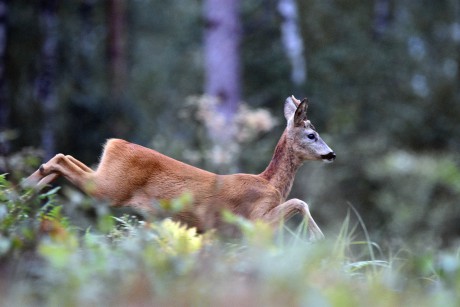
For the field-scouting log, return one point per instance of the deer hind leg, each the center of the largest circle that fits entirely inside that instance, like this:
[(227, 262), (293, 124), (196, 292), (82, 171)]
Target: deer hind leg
[(69, 167), (80, 164), (289, 208)]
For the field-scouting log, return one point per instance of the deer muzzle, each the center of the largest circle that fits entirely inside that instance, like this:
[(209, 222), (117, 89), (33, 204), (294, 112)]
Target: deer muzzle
[(328, 157)]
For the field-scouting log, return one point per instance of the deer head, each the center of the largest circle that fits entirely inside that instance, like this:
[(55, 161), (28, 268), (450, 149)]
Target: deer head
[(302, 137)]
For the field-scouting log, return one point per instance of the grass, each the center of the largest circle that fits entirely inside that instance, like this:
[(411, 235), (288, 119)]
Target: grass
[(50, 259)]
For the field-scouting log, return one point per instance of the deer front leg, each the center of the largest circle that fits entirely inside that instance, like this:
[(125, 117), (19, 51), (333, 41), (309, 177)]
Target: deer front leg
[(287, 209)]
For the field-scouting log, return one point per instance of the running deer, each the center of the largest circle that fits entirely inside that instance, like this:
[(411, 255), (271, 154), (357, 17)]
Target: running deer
[(134, 176)]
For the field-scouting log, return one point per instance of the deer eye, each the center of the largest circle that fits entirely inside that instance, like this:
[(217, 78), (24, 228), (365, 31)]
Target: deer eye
[(311, 136)]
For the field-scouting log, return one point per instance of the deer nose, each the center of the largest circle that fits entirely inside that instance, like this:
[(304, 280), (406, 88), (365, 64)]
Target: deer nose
[(329, 157)]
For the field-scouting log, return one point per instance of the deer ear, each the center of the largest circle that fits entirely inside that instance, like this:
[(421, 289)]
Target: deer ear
[(290, 106), (301, 113)]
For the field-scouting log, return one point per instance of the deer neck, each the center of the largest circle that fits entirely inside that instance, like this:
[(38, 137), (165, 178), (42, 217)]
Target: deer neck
[(282, 168)]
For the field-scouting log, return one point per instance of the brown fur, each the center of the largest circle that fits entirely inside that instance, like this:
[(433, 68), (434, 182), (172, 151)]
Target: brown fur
[(135, 176)]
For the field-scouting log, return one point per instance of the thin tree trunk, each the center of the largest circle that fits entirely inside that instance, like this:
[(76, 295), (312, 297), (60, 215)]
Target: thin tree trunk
[(86, 44), (222, 53), (117, 47), (4, 104), (292, 40), (4, 107), (222, 37), (381, 17), (45, 84)]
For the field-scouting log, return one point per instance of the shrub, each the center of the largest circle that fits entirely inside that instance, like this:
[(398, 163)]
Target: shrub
[(48, 260)]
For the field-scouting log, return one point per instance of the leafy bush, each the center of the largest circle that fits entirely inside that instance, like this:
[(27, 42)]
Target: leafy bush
[(45, 259)]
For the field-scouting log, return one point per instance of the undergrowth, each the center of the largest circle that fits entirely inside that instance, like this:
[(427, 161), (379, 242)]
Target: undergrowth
[(48, 260)]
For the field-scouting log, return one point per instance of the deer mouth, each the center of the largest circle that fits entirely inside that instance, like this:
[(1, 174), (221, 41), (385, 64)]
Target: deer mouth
[(329, 157)]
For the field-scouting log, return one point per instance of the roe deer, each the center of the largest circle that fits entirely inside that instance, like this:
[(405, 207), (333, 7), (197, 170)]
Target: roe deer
[(135, 176)]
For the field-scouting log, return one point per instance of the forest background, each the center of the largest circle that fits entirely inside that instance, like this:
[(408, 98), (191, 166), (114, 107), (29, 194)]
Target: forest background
[(382, 77)]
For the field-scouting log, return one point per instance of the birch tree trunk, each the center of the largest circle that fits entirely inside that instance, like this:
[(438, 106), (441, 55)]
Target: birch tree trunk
[(222, 54), (292, 40), (222, 37), (45, 82)]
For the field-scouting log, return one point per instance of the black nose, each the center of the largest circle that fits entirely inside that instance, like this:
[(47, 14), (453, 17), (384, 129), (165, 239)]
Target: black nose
[(330, 156)]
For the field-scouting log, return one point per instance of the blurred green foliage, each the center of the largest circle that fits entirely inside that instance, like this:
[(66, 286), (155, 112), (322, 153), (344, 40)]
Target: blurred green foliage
[(388, 104), (139, 263)]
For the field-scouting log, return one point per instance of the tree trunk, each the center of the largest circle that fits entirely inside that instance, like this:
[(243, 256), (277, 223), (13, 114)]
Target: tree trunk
[(222, 54), (117, 48), (292, 40), (222, 37), (45, 83), (86, 44), (381, 17), (4, 104)]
